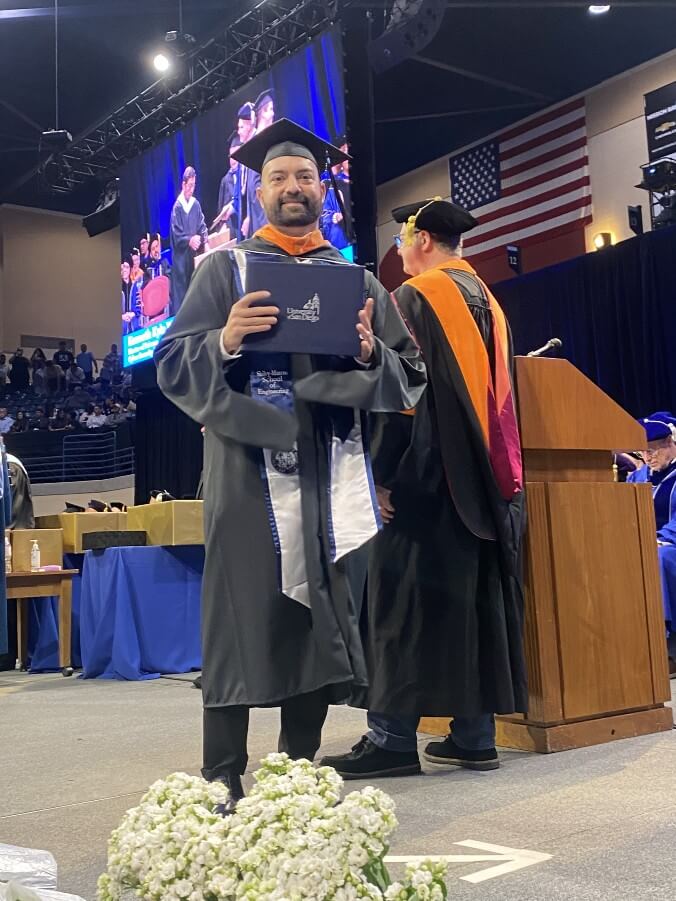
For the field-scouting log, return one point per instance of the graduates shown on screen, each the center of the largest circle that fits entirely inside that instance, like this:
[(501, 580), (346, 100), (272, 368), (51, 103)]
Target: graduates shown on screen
[(335, 223), (131, 299), (188, 236)]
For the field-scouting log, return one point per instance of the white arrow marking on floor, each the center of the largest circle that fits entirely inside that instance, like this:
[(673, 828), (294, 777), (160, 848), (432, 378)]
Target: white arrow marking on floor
[(508, 860)]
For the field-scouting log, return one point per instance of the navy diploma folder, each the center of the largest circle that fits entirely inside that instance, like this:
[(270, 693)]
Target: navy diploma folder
[(318, 305)]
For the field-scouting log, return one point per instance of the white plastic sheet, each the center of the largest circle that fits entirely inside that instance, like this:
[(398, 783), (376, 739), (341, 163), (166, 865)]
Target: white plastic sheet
[(15, 891), (27, 866)]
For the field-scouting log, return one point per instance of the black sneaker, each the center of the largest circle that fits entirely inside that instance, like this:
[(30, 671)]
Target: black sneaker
[(368, 761), (233, 783), (448, 753)]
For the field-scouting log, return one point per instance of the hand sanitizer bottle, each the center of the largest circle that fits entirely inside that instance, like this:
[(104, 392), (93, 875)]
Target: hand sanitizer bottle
[(35, 556)]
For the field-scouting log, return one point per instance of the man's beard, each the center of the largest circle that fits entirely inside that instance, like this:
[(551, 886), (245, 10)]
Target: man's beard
[(306, 210)]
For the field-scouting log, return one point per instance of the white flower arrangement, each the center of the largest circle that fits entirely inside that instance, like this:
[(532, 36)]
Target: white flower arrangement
[(291, 839)]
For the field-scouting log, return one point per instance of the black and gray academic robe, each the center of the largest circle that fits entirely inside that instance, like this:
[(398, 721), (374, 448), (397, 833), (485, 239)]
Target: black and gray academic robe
[(227, 193), (259, 646), (445, 605), (187, 219)]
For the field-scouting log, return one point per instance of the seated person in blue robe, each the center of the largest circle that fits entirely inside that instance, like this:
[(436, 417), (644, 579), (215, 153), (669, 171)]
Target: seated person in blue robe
[(660, 471)]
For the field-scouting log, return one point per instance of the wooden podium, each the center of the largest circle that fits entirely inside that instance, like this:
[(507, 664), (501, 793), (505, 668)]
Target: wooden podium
[(594, 630)]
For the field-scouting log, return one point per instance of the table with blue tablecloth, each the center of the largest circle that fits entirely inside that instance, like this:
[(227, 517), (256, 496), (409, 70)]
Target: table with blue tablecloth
[(43, 627), (140, 612), (136, 614)]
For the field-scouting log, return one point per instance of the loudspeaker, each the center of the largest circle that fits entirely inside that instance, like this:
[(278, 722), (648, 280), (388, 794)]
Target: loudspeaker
[(102, 220), (413, 25)]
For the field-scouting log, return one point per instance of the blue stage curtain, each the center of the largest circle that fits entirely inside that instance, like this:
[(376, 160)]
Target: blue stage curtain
[(614, 311), (168, 449), (140, 612), (43, 625)]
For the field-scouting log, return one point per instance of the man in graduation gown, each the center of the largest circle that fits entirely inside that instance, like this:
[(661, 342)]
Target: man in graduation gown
[(188, 235), (227, 194), (273, 428), (255, 214), (444, 599), (660, 471)]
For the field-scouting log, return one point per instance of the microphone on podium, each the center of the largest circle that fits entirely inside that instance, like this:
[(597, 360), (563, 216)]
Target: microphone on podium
[(552, 344)]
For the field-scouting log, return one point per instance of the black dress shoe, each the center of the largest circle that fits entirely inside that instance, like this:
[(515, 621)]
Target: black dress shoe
[(368, 761), (197, 682), (448, 753), (233, 783)]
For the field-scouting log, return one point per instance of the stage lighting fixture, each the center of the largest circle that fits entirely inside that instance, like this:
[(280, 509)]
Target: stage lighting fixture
[(161, 62), (659, 176), (603, 239), (597, 9), (635, 217), (55, 139)]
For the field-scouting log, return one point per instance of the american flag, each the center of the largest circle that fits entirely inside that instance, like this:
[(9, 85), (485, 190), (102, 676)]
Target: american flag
[(529, 183)]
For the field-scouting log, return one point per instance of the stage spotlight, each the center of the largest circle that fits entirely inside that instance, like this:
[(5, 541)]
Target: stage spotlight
[(596, 9), (603, 239), (161, 62)]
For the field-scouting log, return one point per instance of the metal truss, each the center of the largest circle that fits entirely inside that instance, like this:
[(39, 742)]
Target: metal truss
[(270, 31)]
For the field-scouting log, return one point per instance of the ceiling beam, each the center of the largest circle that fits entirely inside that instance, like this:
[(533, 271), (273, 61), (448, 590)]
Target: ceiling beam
[(458, 112), (478, 76)]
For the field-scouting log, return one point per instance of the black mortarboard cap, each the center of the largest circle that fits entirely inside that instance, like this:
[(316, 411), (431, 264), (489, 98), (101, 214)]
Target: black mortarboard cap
[(74, 508), (264, 97), (246, 111), (287, 138), (436, 216)]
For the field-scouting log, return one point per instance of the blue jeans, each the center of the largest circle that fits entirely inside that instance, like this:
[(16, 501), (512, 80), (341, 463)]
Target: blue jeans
[(398, 733)]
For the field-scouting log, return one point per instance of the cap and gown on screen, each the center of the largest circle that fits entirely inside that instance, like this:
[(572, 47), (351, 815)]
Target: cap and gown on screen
[(287, 138)]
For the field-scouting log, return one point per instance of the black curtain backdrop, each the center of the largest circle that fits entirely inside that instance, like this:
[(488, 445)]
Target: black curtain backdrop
[(168, 448), (614, 310)]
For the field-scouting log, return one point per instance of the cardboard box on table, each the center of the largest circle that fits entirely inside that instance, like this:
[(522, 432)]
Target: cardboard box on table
[(75, 525), (49, 540), (169, 522)]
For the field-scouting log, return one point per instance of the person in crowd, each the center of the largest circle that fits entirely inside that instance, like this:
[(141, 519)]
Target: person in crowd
[(54, 378), (4, 370), (63, 357), (73, 420), (227, 195), (279, 630), (38, 358), (6, 421), (131, 300), (144, 251), (336, 224), (246, 129), (112, 367), (19, 373), (39, 378), (116, 416), (38, 364), (87, 363), (188, 236), (96, 419), (78, 400), (60, 422), (20, 423), (444, 599), (74, 376), (40, 421), (85, 414)]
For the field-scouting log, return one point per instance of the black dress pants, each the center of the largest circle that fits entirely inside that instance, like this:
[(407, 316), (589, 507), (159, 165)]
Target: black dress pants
[(226, 730)]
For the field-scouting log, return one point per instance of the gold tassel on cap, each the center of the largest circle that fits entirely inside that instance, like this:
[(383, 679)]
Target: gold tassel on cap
[(411, 221)]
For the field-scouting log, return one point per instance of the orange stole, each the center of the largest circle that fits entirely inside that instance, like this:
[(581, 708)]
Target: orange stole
[(294, 246), (491, 397)]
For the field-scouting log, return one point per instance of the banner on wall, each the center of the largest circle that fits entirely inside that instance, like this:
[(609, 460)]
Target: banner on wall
[(660, 117)]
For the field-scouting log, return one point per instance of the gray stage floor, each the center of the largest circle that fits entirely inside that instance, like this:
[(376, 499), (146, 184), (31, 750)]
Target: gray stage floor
[(74, 755)]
